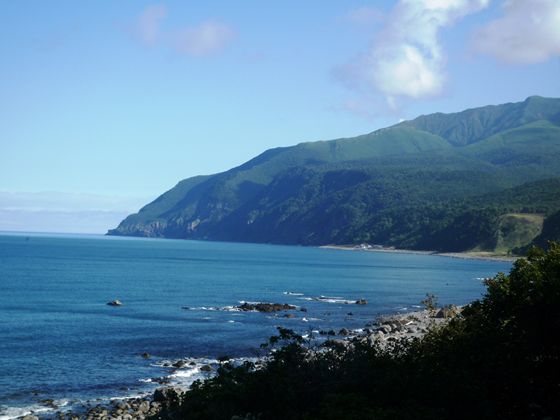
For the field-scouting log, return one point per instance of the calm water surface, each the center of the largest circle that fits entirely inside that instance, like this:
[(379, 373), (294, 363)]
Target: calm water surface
[(59, 339)]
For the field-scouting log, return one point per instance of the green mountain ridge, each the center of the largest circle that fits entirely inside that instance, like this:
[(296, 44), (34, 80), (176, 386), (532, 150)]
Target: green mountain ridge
[(434, 182)]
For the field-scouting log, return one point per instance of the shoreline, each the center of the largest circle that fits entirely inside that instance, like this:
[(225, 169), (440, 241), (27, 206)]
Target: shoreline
[(469, 255), (382, 329)]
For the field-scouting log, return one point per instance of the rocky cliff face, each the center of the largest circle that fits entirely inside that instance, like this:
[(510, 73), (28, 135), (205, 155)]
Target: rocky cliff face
[(404, 186)]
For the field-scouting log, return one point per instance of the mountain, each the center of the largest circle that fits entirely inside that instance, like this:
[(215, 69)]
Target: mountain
[(449, 182)]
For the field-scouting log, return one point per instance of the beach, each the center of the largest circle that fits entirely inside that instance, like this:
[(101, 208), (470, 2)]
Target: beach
[(469, 255)]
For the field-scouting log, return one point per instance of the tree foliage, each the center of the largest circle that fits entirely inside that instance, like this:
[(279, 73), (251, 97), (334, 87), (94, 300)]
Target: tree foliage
[(499, 359)]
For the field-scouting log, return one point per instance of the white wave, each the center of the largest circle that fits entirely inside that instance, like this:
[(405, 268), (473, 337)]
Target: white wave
[(334, 300), (213, 308), (329, 299), (293, 293), (129, 396), (188, 373), (9, 413)]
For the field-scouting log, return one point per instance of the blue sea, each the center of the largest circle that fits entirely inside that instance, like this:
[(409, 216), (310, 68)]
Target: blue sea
[(60, 340)]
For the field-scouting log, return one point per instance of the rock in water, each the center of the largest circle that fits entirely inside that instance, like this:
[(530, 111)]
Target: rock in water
[(265, 307), (361, 302), (115, 302), (206, 368)]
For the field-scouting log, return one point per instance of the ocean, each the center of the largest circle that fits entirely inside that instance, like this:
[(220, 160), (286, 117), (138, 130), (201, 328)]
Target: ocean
[(60, 341)]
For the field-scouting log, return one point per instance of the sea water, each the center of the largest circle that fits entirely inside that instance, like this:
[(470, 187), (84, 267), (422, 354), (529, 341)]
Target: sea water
[(60, 340)]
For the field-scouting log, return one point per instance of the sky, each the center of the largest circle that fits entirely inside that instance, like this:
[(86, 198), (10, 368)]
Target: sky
[(105, 105)]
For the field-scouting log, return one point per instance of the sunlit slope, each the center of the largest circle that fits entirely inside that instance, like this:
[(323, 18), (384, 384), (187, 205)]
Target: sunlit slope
[(406, 185)]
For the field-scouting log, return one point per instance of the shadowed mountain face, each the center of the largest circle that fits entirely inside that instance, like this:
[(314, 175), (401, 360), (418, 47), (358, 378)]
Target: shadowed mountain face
[(441, 181)]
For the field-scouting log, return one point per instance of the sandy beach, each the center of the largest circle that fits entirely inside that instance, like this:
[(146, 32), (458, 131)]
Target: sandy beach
[(471, 255)]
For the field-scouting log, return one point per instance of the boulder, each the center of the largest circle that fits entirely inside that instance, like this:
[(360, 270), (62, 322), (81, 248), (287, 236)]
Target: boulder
[(144, 407), (146, 355), (265, 307), (344, 332), (448, 311), (372, 338), (121, 405), (385, 329), (361, 302), (49, 402), (167, 394), (336, 344), (206, 368), (179, 364)]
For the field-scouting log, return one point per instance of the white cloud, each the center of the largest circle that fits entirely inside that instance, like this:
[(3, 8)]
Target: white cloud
[(202, 39), (206, 38), (148, 25), (406, 58), (528, 32)]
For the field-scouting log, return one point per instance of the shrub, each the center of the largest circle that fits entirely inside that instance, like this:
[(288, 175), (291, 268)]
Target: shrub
[(499, 360)]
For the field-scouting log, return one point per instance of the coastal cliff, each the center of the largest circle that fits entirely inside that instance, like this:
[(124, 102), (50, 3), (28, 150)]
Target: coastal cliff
[(483, 179)]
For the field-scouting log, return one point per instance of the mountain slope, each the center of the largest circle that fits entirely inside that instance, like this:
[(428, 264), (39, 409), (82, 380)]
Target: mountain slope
[(428, 183)]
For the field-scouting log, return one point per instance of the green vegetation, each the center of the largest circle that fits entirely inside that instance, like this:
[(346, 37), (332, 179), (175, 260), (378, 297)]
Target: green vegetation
[(550, 232), (441, 182), (517, 229), (498, 359)]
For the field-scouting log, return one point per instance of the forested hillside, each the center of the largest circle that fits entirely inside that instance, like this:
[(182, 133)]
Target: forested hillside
[(483, 179)]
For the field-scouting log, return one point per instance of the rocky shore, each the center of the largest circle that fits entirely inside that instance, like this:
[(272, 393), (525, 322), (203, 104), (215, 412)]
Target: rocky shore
[(382, 330), (394, 327)]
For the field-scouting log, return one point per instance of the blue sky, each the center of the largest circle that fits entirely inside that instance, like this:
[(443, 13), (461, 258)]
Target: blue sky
[(105, 105)]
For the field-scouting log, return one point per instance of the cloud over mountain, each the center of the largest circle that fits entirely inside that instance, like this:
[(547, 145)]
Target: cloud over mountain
[(527, 32), (406, 58)]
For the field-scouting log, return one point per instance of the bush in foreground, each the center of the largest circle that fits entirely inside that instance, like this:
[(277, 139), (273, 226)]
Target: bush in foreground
[(498, 360)]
